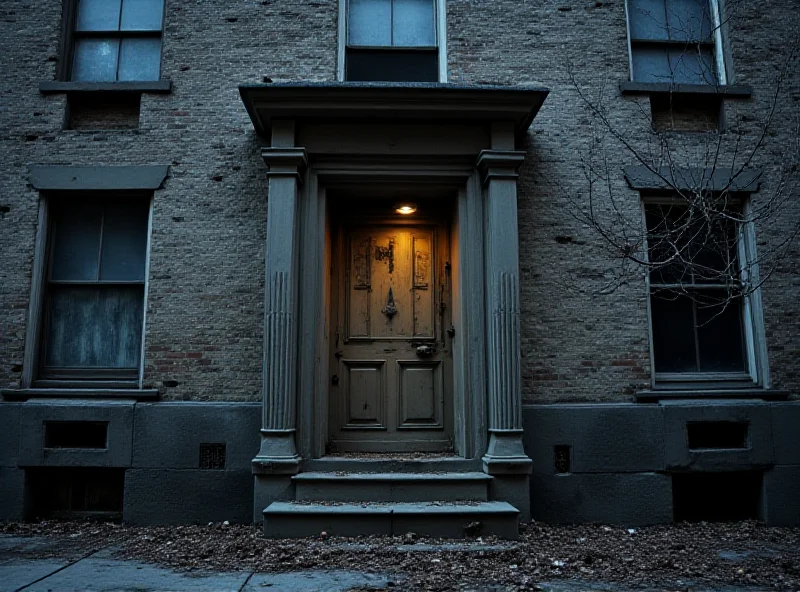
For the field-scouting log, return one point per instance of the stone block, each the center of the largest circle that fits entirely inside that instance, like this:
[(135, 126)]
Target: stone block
[(632, 499), (35, 413), (602, 437), (168, 435), (781, 503), (169, 496), (12, 494), (756, 451), (269, 489), (786, 433), (9, 434)]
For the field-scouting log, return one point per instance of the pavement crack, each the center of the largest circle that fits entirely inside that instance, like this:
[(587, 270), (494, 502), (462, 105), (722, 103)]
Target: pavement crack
[(252, 573), (62, 568)]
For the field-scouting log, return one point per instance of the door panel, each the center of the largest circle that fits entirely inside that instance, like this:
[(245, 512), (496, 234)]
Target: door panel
[(420, 395), (390, 383)]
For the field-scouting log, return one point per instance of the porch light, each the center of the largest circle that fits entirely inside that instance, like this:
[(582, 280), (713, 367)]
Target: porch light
[(405, 208)]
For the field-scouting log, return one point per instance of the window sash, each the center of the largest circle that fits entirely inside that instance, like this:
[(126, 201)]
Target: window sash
[(704, 377), (133, 47), (392, 37), (92, 326), (708, 42)]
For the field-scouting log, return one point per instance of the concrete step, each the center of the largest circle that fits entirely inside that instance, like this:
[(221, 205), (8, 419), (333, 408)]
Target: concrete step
[(437, 519), (391, 487)]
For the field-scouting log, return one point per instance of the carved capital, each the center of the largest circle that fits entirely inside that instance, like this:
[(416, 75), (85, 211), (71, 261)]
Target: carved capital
[(499, 164), (285, 161)]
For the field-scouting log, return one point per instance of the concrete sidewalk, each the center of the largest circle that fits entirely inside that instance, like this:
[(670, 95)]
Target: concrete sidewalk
[(23, 569), (48, 564)]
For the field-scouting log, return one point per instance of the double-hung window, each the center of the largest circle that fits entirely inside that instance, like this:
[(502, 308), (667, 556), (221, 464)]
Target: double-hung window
[(94, 292), (700, 304), (391, 40), (116, 40), (675, 41)]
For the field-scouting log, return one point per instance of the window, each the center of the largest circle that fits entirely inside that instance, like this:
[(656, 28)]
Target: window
[(116, 40), (700, 301), (675, 41), (94, 292), (391, 40)]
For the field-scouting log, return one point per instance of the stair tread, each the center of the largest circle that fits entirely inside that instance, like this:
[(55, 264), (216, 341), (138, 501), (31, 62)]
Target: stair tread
[(444, 507), (345, 476)]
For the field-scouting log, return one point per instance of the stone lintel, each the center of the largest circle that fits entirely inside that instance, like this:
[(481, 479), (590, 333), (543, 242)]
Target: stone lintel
[(97, 177)]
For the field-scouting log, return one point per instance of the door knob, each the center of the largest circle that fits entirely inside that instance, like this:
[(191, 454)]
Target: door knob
[(424, 351)]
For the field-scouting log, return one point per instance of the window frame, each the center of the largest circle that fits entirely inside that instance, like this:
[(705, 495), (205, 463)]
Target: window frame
[(756, 372), (37, 312), (68, 39), (721, 58), (440, 31)]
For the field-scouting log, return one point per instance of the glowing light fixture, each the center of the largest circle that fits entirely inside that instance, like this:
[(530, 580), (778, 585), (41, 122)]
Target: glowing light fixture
[(405, 208)]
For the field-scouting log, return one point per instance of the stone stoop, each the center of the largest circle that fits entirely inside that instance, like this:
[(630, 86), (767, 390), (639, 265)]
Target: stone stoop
[(449, 505)]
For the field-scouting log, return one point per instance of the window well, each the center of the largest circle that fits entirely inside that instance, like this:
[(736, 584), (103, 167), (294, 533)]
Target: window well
[(717, 434), (76, 434), (716, 497), (72, 493)]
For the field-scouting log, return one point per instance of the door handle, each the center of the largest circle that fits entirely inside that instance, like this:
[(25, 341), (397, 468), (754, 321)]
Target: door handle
[(423, 351)]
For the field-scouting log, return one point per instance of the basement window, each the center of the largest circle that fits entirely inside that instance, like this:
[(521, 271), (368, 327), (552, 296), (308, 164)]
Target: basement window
[(704, 435), (716, 497), (76, 434), (76, 493)]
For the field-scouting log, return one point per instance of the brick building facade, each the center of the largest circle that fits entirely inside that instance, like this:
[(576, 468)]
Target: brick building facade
[(536, 380)]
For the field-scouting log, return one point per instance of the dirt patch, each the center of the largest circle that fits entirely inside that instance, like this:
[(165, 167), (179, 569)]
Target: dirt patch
[(675, 557)]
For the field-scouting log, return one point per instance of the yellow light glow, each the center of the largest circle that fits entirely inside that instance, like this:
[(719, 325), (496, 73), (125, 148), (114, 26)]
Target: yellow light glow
[(405, 209)]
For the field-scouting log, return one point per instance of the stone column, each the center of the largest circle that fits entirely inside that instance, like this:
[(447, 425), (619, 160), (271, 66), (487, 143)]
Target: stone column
[(278, 453), (505, 454)]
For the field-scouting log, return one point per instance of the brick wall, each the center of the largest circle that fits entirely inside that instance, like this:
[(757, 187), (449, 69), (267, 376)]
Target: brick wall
[(205, 310)]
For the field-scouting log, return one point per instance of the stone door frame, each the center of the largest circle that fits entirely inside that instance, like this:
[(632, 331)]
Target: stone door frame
[(326, 136)]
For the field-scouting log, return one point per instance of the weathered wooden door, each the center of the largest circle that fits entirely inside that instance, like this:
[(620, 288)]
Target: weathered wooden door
[(391, 367)]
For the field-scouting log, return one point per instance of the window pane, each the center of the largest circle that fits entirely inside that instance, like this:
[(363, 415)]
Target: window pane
[(715, 257), (94, 327), (647, 19), (95, 60), (142, 15), (124, 242), (719, 333), (413, 23), (693, 64), (689, 20), (76, 245), (140, 59), (650, 64), (673, 332), (98, 15), (666, 226), (392, 65), (370, 22)]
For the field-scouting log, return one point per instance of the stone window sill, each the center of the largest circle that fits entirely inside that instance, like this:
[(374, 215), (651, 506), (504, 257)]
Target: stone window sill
[(78, 393), (55, 87), (652, 396), (739, 91)]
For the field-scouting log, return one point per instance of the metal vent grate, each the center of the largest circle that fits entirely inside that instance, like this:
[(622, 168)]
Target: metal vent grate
[(561, 459), (212, 455)]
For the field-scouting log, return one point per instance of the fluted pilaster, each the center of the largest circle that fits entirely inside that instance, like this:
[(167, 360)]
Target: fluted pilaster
[(278, 452), (505, 453)]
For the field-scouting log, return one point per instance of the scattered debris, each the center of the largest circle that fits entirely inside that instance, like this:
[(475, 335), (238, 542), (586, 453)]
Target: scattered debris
[(673, 557)]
